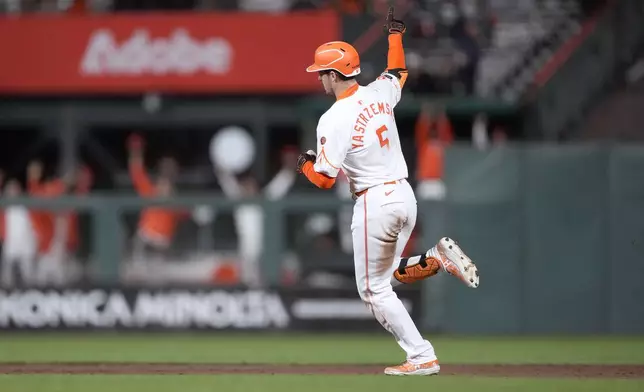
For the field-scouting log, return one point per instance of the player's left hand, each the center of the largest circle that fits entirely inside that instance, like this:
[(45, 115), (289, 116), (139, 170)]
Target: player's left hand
[(392, 25), (304, 157)]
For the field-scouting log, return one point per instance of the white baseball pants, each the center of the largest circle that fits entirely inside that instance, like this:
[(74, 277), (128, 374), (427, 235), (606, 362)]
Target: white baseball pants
[(383, 220)]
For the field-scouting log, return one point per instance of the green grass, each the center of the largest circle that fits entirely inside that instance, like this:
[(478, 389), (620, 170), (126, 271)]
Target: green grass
[(281, 383), (308, 349), (349, 348)]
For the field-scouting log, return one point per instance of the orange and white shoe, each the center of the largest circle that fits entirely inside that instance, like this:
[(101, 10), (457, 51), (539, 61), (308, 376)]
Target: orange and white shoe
[(413, 272), (409, 369), (456, 263)]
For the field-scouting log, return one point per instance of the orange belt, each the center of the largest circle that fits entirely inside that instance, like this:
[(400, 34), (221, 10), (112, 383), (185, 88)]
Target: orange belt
[(358, 194)]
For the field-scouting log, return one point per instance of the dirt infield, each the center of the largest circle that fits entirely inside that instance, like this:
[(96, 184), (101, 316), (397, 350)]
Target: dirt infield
[(577, 371)]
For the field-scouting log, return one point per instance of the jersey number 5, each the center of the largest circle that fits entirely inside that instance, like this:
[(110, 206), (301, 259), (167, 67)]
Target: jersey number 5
[(384, 142)]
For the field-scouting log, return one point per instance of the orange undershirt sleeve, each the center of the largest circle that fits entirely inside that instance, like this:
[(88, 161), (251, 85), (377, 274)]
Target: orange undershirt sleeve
[(320, 180), (396, 56)]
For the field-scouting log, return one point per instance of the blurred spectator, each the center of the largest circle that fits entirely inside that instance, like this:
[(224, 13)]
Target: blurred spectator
[(249, 218), (433, 133), (465, 35), (57, 231), (157, 225), (70, 223), (19, 241), (480, 137), (43, 221), (168, 168), (423, 39), (444, 46)]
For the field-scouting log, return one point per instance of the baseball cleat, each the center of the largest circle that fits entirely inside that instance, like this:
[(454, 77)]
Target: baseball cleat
[(409, 369), (423, 269), (455, 262)]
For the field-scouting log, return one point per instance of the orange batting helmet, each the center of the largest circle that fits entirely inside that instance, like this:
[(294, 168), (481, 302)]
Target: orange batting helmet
[(336, 55)]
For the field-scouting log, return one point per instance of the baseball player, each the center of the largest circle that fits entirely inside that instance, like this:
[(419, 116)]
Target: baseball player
[(358, 135)]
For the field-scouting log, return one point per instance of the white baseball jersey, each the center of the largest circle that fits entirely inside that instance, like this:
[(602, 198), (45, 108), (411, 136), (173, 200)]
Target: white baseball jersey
[(358, 135)]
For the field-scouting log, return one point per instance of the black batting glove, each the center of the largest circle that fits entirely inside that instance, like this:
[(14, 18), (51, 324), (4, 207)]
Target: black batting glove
[(304, 157), (393, 26)]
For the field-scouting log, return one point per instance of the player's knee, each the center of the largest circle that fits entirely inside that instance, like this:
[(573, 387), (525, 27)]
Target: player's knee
[(364, 293), (374, 295)]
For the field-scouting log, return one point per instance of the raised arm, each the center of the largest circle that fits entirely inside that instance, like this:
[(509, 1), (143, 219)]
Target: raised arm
[(228, 183), (140, 178), (280, 184), (396, 55), (391, 81)]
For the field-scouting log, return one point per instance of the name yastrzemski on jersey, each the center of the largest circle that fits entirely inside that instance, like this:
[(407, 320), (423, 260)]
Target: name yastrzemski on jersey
[(369, 112)]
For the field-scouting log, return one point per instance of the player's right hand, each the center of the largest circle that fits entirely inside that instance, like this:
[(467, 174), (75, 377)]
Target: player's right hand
[(394, 26), (304, 157)]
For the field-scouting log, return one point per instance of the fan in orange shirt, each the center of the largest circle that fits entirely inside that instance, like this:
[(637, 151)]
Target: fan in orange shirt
[(42, 220), (56, 231), (433, 133), (157, 225), (45, 219)]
